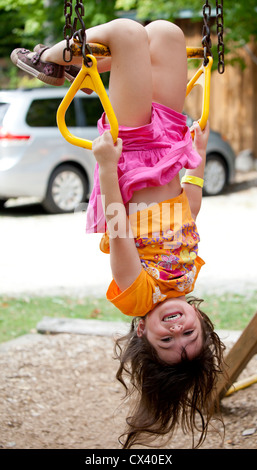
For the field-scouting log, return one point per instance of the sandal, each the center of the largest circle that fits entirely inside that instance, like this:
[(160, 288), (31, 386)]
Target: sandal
[(70, 71), (47, 72)]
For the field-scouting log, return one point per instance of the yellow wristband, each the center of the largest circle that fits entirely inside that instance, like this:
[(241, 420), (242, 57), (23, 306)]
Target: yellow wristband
[(192, 180)]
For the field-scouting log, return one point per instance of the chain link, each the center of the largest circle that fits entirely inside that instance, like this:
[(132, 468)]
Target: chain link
[(70, 30), (220, 30), (206, 41), (80, 34), (67, 30), (80, 11)]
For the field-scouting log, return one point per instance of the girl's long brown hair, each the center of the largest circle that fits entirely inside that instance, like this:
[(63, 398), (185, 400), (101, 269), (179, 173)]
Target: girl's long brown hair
[(168, 394)]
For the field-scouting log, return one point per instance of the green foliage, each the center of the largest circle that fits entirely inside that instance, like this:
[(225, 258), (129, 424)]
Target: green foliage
[(25, 23), (240, 18), (99, 12), (28, 22), (20, 22)]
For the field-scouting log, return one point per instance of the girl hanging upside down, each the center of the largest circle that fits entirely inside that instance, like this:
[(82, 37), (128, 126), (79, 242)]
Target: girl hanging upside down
[(171, 355)]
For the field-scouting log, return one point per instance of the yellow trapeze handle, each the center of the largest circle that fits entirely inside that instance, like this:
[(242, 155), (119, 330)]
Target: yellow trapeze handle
[(100, 50), (241, 384), (206, 71), (88, 77)]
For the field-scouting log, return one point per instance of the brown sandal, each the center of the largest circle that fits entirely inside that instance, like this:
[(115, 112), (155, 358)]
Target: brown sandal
[(47, 72), (70, 71)]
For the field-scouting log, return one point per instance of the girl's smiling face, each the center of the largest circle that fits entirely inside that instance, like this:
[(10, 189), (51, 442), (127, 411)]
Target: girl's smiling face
[(172, 327)]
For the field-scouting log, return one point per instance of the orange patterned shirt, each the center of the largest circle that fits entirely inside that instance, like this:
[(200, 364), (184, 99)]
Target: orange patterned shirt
[(167, 240)]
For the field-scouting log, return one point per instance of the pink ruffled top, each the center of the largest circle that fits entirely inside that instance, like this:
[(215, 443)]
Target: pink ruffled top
[(152, 155)]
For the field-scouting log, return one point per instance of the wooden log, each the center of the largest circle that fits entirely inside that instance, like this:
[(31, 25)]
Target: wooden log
[(238, 357)]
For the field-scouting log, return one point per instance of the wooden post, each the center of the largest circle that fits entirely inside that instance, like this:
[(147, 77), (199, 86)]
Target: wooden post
[(238, 357)]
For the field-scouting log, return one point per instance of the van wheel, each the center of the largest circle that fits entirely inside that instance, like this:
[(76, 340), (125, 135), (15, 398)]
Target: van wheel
[(215, 175), (67, 188)]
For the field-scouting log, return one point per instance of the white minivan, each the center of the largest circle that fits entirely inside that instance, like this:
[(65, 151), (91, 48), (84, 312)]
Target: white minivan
[(36, 161)]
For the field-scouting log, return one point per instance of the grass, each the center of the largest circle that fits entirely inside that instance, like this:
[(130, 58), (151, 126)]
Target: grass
[(231, 311), (19, 316)]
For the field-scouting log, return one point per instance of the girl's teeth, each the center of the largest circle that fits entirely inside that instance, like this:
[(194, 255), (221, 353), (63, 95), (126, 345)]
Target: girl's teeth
[(172, 317)]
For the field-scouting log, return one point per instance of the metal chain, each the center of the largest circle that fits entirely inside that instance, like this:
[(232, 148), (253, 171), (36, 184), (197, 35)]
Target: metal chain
[(67, 30), (80, 11), (81, 33), (220, 29), (70, 30), (206, 41)]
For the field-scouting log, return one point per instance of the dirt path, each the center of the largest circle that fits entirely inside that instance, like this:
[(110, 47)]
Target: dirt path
[(60, 392)]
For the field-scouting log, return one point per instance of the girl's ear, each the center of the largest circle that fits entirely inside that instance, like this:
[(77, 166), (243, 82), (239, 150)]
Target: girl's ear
[(141, 328)]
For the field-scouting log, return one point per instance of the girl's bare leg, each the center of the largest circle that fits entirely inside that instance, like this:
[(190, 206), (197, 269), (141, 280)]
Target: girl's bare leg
[(130, 67), (130, 85), (169, 79), (55, 54), (169, 63)]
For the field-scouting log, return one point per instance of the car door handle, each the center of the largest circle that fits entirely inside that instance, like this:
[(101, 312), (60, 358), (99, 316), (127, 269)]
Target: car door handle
[(88, 77)]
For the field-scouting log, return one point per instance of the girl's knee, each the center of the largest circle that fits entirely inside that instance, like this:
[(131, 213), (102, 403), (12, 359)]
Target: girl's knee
[(164, 29), (128, 31)]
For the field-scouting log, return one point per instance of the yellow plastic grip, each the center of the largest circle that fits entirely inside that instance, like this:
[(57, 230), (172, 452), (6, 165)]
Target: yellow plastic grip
[(206, 71), (88, 77)]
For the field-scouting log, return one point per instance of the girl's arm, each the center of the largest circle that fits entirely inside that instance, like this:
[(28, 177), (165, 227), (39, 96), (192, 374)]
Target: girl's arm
[(194, 193), (124, 258)]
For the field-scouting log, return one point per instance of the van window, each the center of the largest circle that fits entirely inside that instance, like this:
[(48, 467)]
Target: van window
[(92, 110), (42, 113), (3, 109)]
